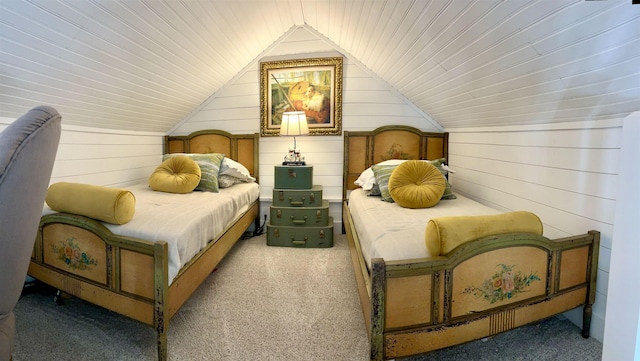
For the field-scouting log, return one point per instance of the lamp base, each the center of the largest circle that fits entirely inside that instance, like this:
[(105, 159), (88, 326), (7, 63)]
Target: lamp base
[(294, 157)]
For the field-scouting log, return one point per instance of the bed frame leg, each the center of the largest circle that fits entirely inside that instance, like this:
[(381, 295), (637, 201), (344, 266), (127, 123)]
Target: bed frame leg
[(57, 298), (160, 307), (591, 295), (586, 321), (162, 345), (259, 229), (378, 286)]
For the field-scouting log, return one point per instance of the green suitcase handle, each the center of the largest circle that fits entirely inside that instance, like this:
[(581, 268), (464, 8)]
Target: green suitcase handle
[(312, 198), (299, 241), (299, 221)]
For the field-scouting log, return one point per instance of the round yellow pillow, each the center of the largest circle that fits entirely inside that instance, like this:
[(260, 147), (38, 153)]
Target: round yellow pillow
[(177, 174), (416, 184)]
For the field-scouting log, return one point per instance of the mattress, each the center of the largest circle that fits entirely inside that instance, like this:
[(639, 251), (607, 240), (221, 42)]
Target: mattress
[(388, 231), (187, 222)]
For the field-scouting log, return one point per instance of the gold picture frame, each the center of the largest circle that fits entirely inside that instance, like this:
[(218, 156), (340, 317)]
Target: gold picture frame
[(311, 85)]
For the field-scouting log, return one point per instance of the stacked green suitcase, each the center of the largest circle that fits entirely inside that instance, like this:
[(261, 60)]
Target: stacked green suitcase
[(298, 216)]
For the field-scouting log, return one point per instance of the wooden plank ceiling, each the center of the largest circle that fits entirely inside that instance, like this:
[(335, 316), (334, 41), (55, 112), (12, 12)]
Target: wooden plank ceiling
[(147, 64)]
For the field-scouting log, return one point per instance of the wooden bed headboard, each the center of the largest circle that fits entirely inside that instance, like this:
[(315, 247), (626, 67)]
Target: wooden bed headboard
[(242, 148), (365, 148)]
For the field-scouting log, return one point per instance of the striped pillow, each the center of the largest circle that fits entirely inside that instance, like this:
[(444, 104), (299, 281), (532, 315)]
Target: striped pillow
[(209, 166), (382, 174)]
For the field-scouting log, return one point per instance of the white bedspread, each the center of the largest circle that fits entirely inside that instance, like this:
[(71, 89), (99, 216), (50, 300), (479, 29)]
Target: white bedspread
[(187, 222), (388, 231)]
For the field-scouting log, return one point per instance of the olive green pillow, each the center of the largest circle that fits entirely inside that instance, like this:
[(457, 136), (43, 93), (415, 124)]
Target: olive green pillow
[(416, 184), (111, 205), (209, 163), (177, 174), (382, 174), (448, 193)]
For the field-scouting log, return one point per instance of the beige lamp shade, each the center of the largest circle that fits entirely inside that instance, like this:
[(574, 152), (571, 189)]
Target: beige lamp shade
[(294, 123)]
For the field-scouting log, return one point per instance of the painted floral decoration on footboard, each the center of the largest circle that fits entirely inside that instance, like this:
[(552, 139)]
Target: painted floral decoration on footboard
[(70, 253), (503, 285)]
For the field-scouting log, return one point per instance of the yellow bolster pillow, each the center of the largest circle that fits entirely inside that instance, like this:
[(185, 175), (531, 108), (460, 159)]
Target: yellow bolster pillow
[(111, 205), (443, 234)]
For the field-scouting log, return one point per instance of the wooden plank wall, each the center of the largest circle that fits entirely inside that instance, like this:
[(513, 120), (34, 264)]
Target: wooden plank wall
[(368, 102), (104, 157), (565, 173), (108, 158)]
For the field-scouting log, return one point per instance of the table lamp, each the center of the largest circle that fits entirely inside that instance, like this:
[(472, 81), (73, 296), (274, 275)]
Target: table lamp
[(294, 123)]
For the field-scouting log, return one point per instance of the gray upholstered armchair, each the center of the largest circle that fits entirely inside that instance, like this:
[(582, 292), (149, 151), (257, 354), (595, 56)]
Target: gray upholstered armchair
[(28, 149)]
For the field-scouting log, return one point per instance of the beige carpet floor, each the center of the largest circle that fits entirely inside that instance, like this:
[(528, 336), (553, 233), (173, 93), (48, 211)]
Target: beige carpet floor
[(262, 303)]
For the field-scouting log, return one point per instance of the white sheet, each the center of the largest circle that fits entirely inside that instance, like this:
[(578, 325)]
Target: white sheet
[(185, 221), (388, 231)]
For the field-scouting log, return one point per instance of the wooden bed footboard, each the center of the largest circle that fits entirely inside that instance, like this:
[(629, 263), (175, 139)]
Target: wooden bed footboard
[(80, 256), (88, 261), (482, 288)]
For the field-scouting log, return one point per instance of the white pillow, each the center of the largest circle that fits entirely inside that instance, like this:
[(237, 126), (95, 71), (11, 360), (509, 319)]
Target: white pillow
[(366, 180), (235, 169), (226, 181)]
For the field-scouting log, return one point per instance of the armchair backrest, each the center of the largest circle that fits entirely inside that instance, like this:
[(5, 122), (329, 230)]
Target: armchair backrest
[(28, 149)]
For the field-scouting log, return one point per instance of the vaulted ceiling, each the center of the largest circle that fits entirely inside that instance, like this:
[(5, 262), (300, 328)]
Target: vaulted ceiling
[(147, 64)]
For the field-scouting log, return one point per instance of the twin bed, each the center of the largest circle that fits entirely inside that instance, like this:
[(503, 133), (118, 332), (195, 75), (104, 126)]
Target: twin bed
[(415, 301), (147, 268)]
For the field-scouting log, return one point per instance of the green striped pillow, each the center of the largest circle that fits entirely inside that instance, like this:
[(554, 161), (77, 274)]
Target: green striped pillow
[(209, 167), (383, 172), (448, 193)]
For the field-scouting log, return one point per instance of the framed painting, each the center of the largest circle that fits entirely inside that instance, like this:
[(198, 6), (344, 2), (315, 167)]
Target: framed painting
[(311, 85)]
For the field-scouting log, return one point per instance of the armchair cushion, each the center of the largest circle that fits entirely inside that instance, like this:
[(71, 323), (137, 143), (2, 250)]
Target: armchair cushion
[(28, 148)]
